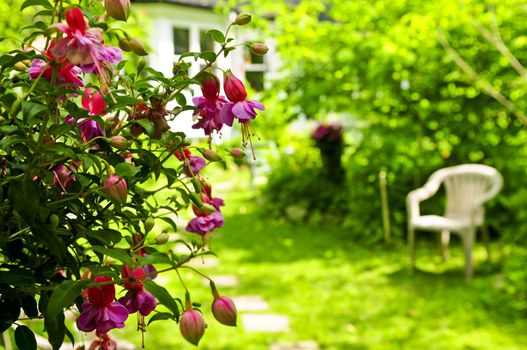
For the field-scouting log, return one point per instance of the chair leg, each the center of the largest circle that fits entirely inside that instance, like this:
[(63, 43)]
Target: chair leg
[(468, 238), (411, 247), (486, 240), (444, 240)]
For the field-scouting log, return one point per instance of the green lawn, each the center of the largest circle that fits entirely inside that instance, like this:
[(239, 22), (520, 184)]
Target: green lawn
[(343, 295)]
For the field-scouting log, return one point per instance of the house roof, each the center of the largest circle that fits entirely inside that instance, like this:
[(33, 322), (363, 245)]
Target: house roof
[(192, 3)]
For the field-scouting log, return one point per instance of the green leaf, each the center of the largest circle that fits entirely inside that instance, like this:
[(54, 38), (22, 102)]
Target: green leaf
[(17, 277), (116, 253), (50, 238), (156, 258), (181, 99), (146, 124), (63, 295), (24, 196), (208, 56), (29, 305), (25, 339), (125, 169), (162, 296), (160, 316), (30, 110), (28, 3), (106, 236), (217, 36)]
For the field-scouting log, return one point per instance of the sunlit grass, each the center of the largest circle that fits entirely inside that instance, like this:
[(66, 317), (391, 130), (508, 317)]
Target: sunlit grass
[(343, 295)]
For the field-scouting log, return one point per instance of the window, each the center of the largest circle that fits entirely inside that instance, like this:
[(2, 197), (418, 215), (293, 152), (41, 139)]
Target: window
[(181, 40)]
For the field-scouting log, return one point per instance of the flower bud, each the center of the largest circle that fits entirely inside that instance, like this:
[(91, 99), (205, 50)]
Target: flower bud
[(137, 47), (237, 153), (243, 19), (259, 49), (192, 326), (149, 224), (115, 187), (118, 9), (54, 220), (210, 86), (124, 44), (210, 155), (119, 142), (141, 64), (234, 88), (20, 66), (224, 311), (162, 238)]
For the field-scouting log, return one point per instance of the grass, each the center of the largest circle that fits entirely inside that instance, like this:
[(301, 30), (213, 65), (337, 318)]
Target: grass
[(342, 295)]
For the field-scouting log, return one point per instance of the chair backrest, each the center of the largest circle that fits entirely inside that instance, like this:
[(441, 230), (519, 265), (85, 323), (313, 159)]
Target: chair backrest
[(467, 188)]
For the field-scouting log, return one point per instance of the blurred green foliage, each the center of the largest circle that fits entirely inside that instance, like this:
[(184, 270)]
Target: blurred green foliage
[(388, 69)]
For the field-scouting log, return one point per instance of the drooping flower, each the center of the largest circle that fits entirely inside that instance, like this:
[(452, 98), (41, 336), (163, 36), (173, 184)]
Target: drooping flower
[(100, 312), (208, 106), (156, 114), (193, 165), (83, 45), (93, 102), (116, 188), (137, 299), (67, 73), (88, 128), (206, 198), (238, 107), (224, 311), (205, 224), (192, 326)]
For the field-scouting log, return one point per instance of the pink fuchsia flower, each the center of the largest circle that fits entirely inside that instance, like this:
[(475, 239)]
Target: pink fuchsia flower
[(208, 106), (192, 326), (206, 198), (193, 165), (238, 107), (66, 74), (83, 45), (116, 188), (93, 102), (88, 128), (64, 176), (108, 54), (100, 312), (327, 133), (205, 224), (103, 343), (139, 300), (118, 9)]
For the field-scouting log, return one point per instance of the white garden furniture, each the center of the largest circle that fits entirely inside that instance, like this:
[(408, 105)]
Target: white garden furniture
[(467, 188)]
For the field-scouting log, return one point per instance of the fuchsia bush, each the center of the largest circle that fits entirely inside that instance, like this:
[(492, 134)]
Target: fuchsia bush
[(80, 136)]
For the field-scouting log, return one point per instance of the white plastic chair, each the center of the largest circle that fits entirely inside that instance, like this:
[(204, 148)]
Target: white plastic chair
[(467, 188)]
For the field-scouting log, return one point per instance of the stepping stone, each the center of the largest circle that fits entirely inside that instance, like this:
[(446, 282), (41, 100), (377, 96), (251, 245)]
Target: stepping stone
[(225, 281), (303, 345), (268, 323), (250, 303)]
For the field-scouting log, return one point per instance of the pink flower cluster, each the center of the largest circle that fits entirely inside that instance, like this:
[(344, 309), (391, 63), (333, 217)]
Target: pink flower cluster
[(327, 133), (81, 49), (213, 110)]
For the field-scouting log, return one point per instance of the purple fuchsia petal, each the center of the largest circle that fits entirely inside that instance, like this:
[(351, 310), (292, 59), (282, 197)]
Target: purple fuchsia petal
[(227, 116)]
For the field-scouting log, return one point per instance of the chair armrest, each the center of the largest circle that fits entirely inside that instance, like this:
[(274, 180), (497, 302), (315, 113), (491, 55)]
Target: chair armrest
[(417, 196)]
